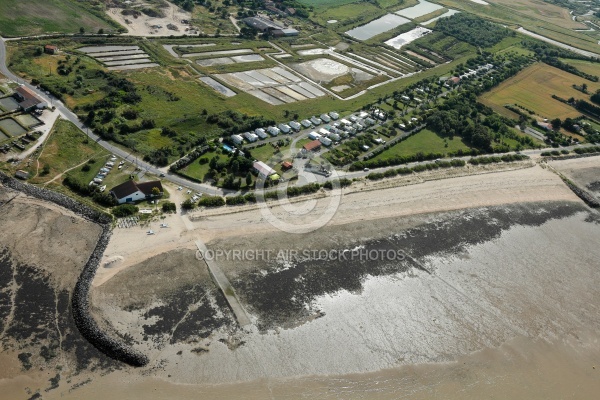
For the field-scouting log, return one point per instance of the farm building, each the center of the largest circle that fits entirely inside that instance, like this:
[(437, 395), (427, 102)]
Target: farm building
[(50, 49), (261, 24), (237, 139), (260, 132), (131, 191), (285, 32), (27, 99), (295, 125), (325, 118), (285, 128), (263, 169), (312, 146), (251, 137)]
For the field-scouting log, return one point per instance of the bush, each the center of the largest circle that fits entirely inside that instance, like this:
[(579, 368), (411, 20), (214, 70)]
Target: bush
[(188, 204), (85, 168), (235, 200), (124, 210), (211, 201), (169, 207)]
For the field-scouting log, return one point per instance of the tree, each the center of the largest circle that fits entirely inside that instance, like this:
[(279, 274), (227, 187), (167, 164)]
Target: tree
[(248, 179), (169, 207), (82, 30), (46, 169), (155, 191), (584, 87), (235, 167), (124, 210), (100, 31), (188, 204), (556, 123)]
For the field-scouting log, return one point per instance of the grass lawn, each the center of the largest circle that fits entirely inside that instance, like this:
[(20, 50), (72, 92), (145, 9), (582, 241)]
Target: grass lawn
[(196, 170), (425, 141), (533, 88), (65, 148), (33, 17), (348, 15)]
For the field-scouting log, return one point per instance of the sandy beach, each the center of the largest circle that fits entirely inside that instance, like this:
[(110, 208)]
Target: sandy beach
[(497, 296)]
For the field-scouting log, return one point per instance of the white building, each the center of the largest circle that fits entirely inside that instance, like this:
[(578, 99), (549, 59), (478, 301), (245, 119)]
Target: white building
[(295, 125), (323, 132), (251, 137), (334, 115), (325, 118), (325, 141), (260, 132), (273, 130), (131, 191), (315, 120), (306, 123), (263, 169), (237, 139), (314, 135), (284, 128)]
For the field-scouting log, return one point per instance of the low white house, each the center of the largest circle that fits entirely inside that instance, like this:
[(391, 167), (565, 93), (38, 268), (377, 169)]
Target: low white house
[(237, 139), (315, 120), (273, 131), (131, 191), (251, 137), (335, 137), (324, 132), (295, 125), (285, 128), (334, 115), (260, 132), (325, 118), (263, 169), (314, 135), (306, 123), (325, 141)]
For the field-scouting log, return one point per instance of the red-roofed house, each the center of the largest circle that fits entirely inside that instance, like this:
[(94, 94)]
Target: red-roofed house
[(50, 49), (314, 145), (27, 99)]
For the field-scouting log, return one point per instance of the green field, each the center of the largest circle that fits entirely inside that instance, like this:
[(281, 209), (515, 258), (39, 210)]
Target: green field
[(66, 147), (533, 88), (33, 17), (327, 3), (425, 141), (592, 68)]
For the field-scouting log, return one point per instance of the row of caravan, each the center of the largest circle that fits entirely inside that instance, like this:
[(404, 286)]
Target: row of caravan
[(292, 126)]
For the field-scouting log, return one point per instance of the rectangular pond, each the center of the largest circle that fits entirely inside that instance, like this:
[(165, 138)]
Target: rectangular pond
[(224, 90), (28, 120), (423, 8), (376, 27), (11, 127), (8, 104)]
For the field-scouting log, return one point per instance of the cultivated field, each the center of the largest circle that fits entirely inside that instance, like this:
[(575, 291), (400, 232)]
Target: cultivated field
[(533, 89)]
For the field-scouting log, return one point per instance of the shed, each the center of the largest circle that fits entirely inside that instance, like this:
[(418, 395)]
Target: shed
[(287, 165)]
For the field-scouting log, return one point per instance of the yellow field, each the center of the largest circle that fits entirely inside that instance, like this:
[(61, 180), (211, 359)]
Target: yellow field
[(533, 88), (543, 11)]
